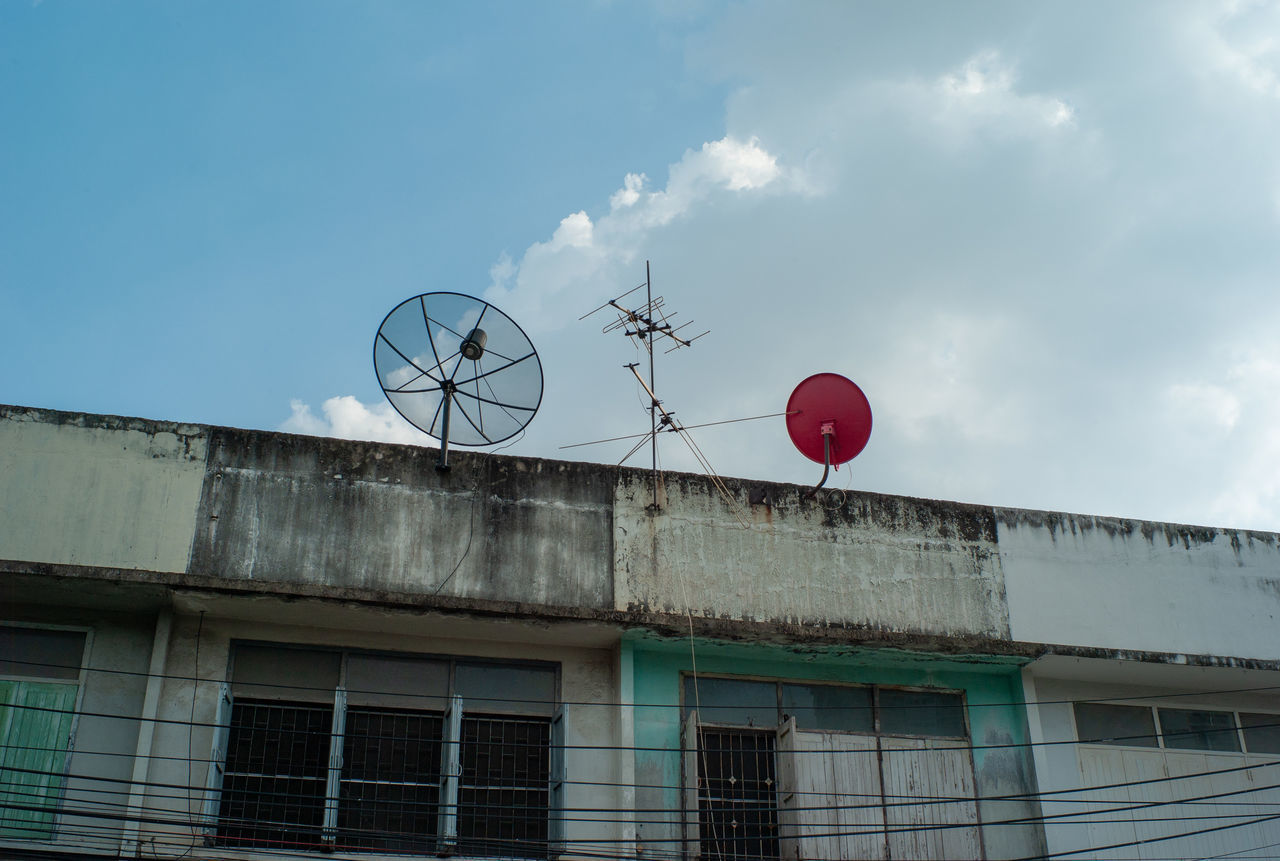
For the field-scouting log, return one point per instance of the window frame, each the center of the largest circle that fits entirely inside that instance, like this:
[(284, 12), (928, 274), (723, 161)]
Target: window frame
[(1154, 708), (958, 692), (1243, 730), (686, 707), (58, 797), (81, 676), (449, 706)]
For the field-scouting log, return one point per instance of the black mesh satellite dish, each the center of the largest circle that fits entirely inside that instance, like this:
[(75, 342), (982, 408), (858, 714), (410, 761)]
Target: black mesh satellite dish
[(458, 369)]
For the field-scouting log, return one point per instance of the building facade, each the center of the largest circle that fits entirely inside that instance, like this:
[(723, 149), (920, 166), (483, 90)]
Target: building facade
[(219, 643)]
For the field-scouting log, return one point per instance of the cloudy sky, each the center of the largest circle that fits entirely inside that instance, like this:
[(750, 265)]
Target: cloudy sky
[(1044, 238)]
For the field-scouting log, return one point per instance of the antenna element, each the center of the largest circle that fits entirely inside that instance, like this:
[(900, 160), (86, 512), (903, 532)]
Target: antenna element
[(648, 324)]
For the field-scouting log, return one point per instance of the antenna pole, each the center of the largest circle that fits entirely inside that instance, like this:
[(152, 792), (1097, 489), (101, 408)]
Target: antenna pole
[(653, 398), (442, 465), (648, 324)]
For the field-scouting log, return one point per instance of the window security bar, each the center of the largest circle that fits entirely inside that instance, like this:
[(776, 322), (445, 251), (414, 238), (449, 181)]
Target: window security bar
[(310, 776)]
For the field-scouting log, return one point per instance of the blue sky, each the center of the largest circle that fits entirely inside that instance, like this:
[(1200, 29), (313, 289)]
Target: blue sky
[(1042, 237)]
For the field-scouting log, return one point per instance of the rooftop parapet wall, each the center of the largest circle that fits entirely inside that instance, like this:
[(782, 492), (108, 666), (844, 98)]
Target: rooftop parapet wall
[(192, 505), (104, 491), (1135, 585), (374, 518), (865, 560)]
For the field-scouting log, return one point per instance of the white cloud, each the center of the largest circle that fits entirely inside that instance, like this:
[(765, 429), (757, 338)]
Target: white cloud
[(1222, 431), (982, 95), (347, 418), (501, 272), (632, 185), (1242, 40), (740, 165), (1250, 494), (574, 261), (575, 231), (1204, 405)]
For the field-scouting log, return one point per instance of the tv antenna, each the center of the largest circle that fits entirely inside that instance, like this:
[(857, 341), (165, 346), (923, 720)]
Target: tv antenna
[(438, 354), (650, 325), (829, 421)]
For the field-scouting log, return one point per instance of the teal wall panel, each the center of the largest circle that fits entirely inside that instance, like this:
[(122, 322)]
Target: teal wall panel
[(991, 685)]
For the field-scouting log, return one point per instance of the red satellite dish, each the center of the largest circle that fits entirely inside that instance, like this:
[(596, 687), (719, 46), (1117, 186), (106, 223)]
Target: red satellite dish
[(829, 420)]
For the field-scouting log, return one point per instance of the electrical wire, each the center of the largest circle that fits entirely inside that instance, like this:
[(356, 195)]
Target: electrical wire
[(1148, 840), (1040, 819), (659, 749), (879, 799), (845, 832), (887, 829), (595, 815), (471, 525), (598, 814), (1203, 693)]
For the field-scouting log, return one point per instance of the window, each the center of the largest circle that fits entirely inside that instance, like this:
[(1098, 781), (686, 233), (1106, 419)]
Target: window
[(804, 770), (1102, 723), (737, 814), (1198, 730), (1261, 732), (922, 713), (39, 681), (324, 750), (1179, 728)]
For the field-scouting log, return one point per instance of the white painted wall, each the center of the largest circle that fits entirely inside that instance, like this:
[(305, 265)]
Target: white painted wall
[(1129, 585), (1070, 775), (116, 493)]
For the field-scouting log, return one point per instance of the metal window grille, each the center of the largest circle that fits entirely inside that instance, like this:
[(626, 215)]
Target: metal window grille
[(282, 789), (737, 794), (273, 789), (390, 787), (504, 792)]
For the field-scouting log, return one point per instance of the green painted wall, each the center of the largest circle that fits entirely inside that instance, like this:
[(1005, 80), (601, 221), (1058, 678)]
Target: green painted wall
[(35, 726), (992, 687)]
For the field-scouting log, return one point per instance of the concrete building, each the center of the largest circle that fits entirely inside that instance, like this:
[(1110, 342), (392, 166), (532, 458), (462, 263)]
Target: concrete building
[(219, 643)]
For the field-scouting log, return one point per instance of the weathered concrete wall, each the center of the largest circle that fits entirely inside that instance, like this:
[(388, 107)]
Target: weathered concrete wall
[(883, 562), (593, 756), (380, 518), (370, 521), (1133, 585), (98, 490)]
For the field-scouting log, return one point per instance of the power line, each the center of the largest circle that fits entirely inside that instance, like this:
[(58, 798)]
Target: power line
[(1147, 840), (890, 800), (1075, 817), (636, 748), (284, 686)]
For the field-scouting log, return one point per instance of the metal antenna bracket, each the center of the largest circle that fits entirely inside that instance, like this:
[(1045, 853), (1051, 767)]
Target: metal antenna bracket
[(828, 429)]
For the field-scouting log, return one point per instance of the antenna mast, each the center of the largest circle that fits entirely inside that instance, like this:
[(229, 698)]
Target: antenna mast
[(648, 331), (648, 323)]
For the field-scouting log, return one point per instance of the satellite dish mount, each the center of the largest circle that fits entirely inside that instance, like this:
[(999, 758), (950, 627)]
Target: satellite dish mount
[(829, 421), (433, 358)]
